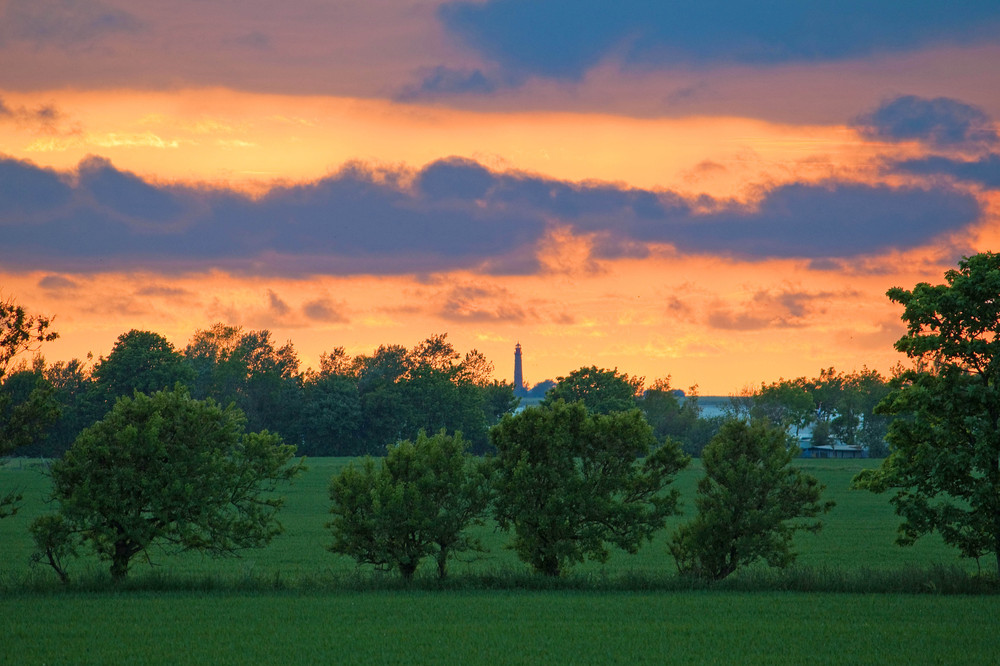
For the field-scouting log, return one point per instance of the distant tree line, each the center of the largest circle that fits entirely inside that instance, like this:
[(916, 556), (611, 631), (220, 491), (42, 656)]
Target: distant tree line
[(360, 405), (348, 407)]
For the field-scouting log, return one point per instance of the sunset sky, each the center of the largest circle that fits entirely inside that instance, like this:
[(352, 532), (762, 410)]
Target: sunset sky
[(717, 191)]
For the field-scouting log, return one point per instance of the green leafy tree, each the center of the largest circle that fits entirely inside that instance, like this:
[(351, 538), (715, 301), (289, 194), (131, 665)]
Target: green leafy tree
[(417, 502), (141, 361), (330, 415), (750, 503), (787, 403), (944, 460), (247, 368), (20, 420), (571, 483), (601, 391), (671, 413), (166, 469)]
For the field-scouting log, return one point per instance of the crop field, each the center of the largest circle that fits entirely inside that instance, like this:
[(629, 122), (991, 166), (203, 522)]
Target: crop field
[(296, 602)]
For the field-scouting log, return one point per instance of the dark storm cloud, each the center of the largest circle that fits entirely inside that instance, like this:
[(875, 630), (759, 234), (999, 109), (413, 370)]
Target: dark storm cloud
[(984, 171), (452, 214), (565, 38), (63, 23), (939, 123)]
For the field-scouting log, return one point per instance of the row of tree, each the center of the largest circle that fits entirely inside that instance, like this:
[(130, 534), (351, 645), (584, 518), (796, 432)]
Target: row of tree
[(568, 484), (170, 471)]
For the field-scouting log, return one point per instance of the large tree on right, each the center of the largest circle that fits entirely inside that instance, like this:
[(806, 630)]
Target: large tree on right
[(944, 461)]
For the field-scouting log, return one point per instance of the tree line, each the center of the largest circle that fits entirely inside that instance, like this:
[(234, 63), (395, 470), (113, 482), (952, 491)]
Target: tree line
[(354, 406), (348, 407)]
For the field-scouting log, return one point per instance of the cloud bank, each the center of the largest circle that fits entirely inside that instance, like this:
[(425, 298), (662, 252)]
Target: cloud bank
[(451, 214), (566, 38)]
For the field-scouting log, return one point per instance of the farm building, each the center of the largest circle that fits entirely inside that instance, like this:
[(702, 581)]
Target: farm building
[(833, 451)]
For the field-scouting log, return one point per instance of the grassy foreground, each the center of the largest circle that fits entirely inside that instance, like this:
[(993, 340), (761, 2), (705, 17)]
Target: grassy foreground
[(498, 628), (294, 602)]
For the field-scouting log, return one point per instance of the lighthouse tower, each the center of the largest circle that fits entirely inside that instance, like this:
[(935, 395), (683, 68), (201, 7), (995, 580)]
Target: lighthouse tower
[(518, 374)]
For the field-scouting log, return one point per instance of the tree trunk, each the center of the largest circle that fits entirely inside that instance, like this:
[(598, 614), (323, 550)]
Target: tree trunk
[(407, 569), (120, 560), (549, 566), (442, 561)]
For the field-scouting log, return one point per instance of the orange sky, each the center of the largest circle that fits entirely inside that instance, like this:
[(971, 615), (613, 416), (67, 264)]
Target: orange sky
[(258, 105)]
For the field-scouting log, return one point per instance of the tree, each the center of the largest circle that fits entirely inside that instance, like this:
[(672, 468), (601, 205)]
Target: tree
[(944, 460), (571, 483), (670, 413), (247, 368), (27, 407), (746, 503), (786, 402), (330, 415), (20, 332), (141, 361), (601, 391), (416, 502), (167, 469)]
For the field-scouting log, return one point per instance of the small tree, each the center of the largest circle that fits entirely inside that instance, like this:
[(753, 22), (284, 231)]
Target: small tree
[(747, 503), (944, 460), (571, 483), (19, 421), (418, 501), (167, 469)]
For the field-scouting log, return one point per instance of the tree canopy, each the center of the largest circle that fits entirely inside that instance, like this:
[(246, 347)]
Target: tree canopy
[(944, 460), (748, 502), (21, 416), (571, 483), (601, 391), (417, 501), (171, 470)]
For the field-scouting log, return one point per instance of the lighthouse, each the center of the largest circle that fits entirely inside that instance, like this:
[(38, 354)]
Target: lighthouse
[(518, 373)]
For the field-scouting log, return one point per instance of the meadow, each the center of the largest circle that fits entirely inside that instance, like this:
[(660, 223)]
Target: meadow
[(852, 597)]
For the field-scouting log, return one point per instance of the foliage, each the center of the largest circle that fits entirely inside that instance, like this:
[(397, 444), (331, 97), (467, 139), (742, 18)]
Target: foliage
[(27, 407), (944, 461), (840, 407), (569, 483), (746, 503), (787, 403), (417, 501), (247, 368), (20, 332), (21, 419), (171, 470), (601, 391), (139, 361), (673, 414), (330, 415)]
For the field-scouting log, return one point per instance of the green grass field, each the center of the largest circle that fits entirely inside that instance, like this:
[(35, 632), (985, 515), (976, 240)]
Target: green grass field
[(296, 602)]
